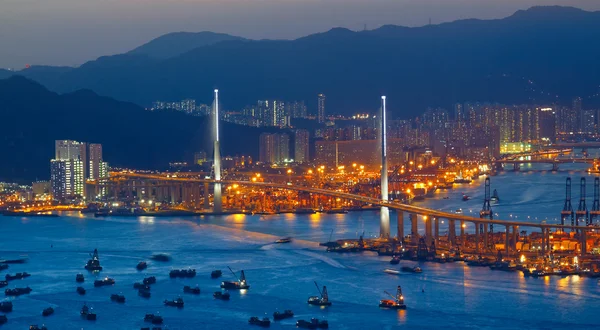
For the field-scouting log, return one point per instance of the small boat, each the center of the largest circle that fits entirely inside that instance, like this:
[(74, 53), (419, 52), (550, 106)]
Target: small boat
[(87, 313), (395, 260), (240, 284), (174, 303), (36, 327), (407, 269), (149, 280), (154, 319), (459, 211), (391, 271), (104, 282), (305, 210), (161, 257), (189, 289), (465, 198), (17, 276), (3, 319), (336, 211), (141, 265), (322, 300), (48, 311), (312, 324), (221, 295), (3, 267), (17, 291), (3, 284), (396, 302), (144, 293), (81, 290), (93, 265), (79, 278), (216, 273), (6, 306), (118, 298), (495, 198), (446, 197), (264, 322), (284, 240), (280, 316), (175, 273)]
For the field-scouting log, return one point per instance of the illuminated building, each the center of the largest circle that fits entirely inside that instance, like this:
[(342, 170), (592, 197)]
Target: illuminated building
[(273, 113), (321, 108), (365, 152), (274, 148), (547, 124), (580, 120), (297, 109), (67, 178), (301, 146), (514, 147), (97, 167)]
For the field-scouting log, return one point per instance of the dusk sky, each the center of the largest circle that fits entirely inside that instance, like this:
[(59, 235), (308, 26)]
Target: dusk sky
[(71, 32)]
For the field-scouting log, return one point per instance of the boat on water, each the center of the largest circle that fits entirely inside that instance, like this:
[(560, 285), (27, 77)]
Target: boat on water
[(305, 210), (312, 324), (87, 313), (322, 299), (174, 303), (240, 284), (93, 265), (337, 211), (154, 319), (460, 179), (189, 289), (144, 293), (3, 267), (495, 198), (175, 273), (264, 322), (216, 273), (79, 278), (118, 298), (36, 327), (17, 291), (407, 269), (391, 271), (161, 257), (149, 280), (141, 265), (458, 211), (280, 316), (6, 306), (465, 198), (284, 240), (395, 260), (3, 284), (17, 276), (48, 311), (81, 290), (3, 319), (396, 302), (221, 295), (104, 282)]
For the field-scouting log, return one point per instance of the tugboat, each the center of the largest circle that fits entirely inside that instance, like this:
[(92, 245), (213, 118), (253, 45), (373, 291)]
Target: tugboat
[(17, 276), (216, 273), (6, 306), (142, 265), (3, 284), (174, 303), (154, 319), (189, 289), (284, 240), (36, 327), (149, 280), (80, 290), (144, 293), (239, 285), (93, 265), (118, 298), (221, 295), (79, 278), (264, 322), (104, 282), (17, 291), (312, 324), (182, 273), (323, 300), (87, 314), (395, 260), (280, 316), (396, 302), (48, 311), (3, 319)]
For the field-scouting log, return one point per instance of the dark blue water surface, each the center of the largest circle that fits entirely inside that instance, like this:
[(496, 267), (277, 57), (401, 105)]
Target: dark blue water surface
[(281, 276)]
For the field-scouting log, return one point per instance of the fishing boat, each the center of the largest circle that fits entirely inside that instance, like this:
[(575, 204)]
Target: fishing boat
[(312, 324), (149, 280), (174, 303), (118, 298), (264, 322), (216, 273), (17, 291), (17, 276), (237, 285), (189, 289), (221, 295), (6, 306), (79, 278), (3, 319), (48, 311), (93, 265), (3, 284), (81, 290), (104, 282), (161, 257), (322, 300), (182, 273), (395, 260), (3, 267), (87, 313), (396, 302), (391, 271), (280, 316), (144, 293), (415, 269), (36, 327), (141, 265), (154, 319), (284, 240)]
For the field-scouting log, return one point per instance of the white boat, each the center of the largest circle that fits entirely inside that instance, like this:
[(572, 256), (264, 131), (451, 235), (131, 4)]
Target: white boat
[(459, 211), (391, 271)]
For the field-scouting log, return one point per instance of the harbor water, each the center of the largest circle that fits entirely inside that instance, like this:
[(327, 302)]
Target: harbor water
[(281, 276)]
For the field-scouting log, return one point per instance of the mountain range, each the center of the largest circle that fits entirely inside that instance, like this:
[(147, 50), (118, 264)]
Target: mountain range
[(542, 55), (34, 117)]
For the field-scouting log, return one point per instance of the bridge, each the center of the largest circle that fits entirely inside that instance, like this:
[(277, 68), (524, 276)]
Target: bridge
[(553, 161)]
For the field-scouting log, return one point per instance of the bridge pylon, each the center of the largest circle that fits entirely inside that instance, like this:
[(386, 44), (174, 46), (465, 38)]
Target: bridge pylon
[(384, 223), (486, 210), (582, 214), (595, 211), (567, 211)]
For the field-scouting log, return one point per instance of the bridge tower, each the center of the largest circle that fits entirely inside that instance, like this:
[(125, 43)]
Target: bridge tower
[(486, 211), (595, 212), (384, 225), (582, 214), (567, 211), (218, 199)]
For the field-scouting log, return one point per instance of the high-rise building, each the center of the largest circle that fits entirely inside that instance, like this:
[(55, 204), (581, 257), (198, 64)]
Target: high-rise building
[(97, 167), (578, 113), (274, 148), (321, 108), (459, 113), (301, 146), (547, 124), (273, 113), (67, 178), (297, 109)]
